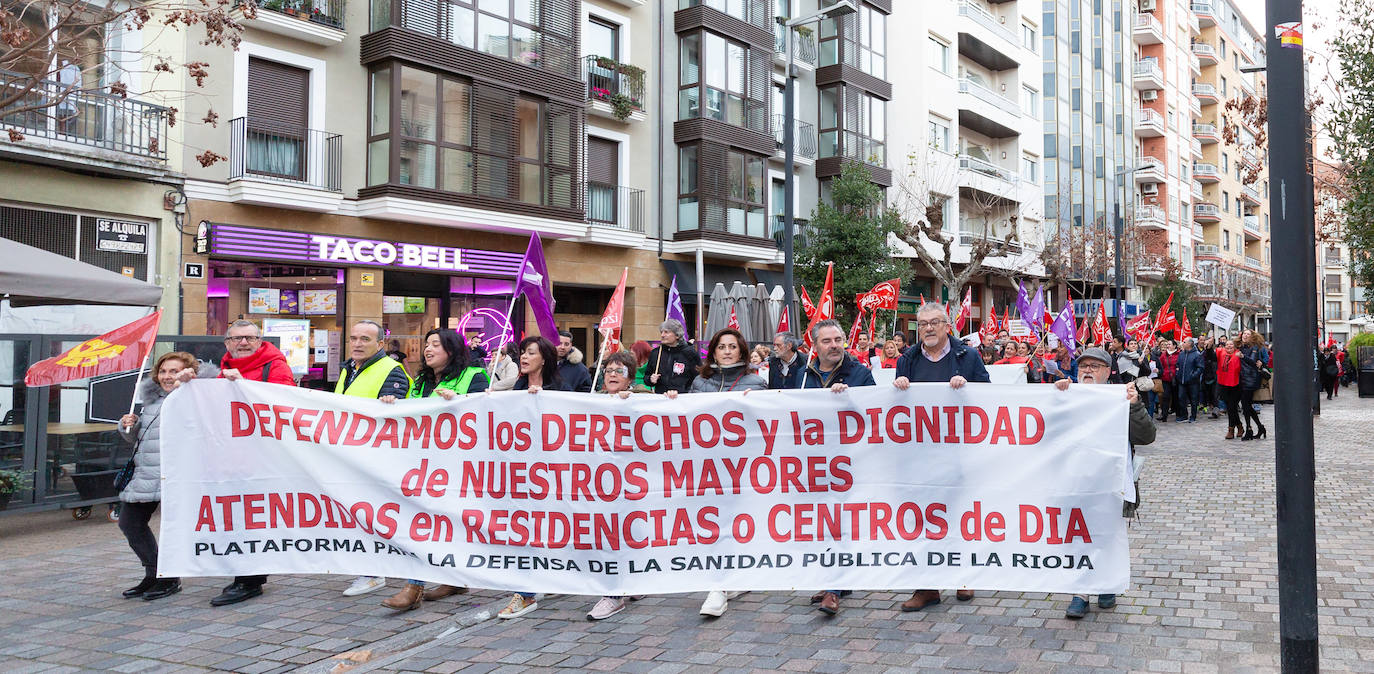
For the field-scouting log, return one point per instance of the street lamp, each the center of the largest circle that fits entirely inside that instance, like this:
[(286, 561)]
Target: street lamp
[(1120, 234), (789, 142)]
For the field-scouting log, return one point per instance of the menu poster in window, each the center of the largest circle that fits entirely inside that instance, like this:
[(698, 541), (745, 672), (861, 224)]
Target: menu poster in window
[(295, 340), (319, 302), (264, 301), (321, 340), (393, 304), (415, 305), (290, 302)]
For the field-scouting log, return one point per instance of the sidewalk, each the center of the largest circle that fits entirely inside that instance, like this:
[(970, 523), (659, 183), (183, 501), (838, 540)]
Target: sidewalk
[(1204, 598)]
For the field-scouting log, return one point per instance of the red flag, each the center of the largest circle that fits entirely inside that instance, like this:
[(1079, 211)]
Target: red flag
[(1185, 329), (784, 325), (807, 307), (854, 331), (1139, 327), (614, 316), (965, 310), (1085, 327), (872, 322), (825, 308), (119, 350), (1166, 322), (989, 330), (883, 296), (1102, 329), (734, 319)]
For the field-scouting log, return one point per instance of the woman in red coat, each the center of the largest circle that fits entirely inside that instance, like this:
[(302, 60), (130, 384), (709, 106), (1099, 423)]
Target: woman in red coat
[(1228, 381)]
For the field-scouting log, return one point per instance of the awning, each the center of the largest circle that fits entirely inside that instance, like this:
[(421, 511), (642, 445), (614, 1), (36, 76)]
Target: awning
[(686, 273), (33, 276)]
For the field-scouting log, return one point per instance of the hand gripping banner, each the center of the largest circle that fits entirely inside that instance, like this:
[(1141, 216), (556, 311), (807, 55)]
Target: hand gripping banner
[(988, 487)]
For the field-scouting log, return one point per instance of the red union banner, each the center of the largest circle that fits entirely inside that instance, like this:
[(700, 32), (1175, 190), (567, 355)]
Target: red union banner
[(119, 350), (882, 296), (1016, 488)]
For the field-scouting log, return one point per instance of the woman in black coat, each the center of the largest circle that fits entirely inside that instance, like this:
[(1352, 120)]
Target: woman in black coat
[(1331, 371), (1254, 359)]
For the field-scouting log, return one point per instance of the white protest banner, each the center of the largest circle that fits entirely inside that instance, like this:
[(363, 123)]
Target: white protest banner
[(991, 487), (1007, 374), (1220, 316)]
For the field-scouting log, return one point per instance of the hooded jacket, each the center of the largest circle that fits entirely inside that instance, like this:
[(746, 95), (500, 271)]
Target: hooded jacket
[(573, 373), (251, 367), (676, 366), (146, 485)]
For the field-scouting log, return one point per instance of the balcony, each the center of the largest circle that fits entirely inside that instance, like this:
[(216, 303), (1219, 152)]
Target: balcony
[(802, 232), (1250, 157), (987, 111), (1206, 133), (1195, 148), (1149, 170), (804, 52), (1151, 217), (982, 93), (1205, 93), (1195, 106), (1252, 227), (273, 165), (804, 136), (1195, 65), (1205, 13), (992, 39), (615, 90), (316, 21), (89, 127), (1254, 263), (1206, 212), (1250, 194), (1147, 75), (1197, 191), (1149, 124), (1197, 232), (1207, 250), (1206, 54), (1206, 173), (615, 207), (1147, 29), (984, 176)]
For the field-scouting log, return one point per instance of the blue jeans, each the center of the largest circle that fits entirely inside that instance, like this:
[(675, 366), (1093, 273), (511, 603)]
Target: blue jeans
[(1188, 393), (1151, 400)]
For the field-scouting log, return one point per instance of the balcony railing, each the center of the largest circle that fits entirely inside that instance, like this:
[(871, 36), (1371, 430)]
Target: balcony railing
[(1147, 22), (1249, 192), (1201, 129), (1251, 223), (1207, 249), (609, 80), (1206, 210), (1205, 170), (803, 44), (967, 163), (1197, 190), (982, 93), (615, 206), (987, 20), (1203, 7), (1205, 50), (1150, 119), (80, 117), (1147, 68), (1253, 262), (803, 232), (303, 157), (804, 136), (1197, 231), (971, 234), (1204, 90), (1150, 215), (324, 12)]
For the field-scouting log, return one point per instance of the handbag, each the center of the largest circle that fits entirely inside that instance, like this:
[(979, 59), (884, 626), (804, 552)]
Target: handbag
[(125, 474)]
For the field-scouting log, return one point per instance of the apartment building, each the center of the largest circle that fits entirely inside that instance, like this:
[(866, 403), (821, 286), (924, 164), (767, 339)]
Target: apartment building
[(1233, 258), (1093, 78), (1343, 305), (94, 175)]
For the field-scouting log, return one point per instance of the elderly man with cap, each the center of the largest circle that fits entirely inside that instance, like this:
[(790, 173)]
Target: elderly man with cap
[(1094, 367)]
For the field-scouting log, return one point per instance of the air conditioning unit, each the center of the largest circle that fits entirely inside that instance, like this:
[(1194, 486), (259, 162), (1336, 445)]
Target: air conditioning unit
[(1147, 5), (1150, 95), (1149, 189)]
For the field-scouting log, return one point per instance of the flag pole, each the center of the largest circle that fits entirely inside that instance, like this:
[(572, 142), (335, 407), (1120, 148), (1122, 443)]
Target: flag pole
[(601, 358), (501, 345), (143, 365)]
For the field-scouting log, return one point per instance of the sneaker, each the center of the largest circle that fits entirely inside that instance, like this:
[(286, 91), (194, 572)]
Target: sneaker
[(717, 601), (606, 607), (1106, 600), (364, 585), (517, 607), (1077, 609)]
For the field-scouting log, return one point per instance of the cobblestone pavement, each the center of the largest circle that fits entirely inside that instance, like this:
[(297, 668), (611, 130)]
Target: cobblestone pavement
[(1204, 598)]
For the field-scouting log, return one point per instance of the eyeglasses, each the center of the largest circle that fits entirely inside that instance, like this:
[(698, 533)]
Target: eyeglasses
[(922, 325), (241, 338), (620, 370)]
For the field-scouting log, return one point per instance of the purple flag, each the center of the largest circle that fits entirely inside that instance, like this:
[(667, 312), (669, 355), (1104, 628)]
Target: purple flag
[(675, 309), (1064, 328), (1023, 301), (1036, 318), (534, 283), (1121, 319)]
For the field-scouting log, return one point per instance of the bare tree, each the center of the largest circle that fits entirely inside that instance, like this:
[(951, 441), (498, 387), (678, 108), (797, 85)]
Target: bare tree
[(994, 222), (56, 53)]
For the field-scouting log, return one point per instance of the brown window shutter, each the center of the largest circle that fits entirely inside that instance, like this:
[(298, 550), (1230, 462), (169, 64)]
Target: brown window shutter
[(602, 160), (278, 95)]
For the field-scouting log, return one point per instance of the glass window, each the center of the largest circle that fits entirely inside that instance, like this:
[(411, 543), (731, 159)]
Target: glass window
[(510, 29), (457, 115), (727, 72), (939, 55), (601, 38), (858, 40), (1028, 37), (938, 134), (381, 101), (1030, 169)]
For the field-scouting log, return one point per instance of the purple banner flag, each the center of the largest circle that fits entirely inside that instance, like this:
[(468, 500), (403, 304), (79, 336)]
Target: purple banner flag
[(1023, 301), (675, 309), (1064, 328), (1036, 318), (1121, 319), (534, 283)]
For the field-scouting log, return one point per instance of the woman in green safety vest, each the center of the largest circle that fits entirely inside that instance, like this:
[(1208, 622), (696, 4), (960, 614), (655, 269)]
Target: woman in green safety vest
[(448, 372)]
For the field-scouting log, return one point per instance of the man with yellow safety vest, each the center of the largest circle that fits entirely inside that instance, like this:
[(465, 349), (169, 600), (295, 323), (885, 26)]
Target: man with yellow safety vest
[(370, 373)]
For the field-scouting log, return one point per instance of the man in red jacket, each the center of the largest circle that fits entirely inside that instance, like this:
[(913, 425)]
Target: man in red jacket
[(248, 357)]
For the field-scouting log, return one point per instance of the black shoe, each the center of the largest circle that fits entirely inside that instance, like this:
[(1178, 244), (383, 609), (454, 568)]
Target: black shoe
[(1249, 435), (165, 587), (137, 591), (236, 593), (1263, 432)]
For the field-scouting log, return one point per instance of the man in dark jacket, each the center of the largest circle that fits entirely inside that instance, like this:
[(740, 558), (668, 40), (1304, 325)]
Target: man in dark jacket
[(1188, 381), (937, 358), (1094, 367), (830, 366), (574, 374), (673, 363), (786, 365)]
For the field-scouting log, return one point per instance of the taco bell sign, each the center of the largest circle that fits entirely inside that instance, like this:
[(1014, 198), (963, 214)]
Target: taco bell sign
[(254, 243), (366, 251)]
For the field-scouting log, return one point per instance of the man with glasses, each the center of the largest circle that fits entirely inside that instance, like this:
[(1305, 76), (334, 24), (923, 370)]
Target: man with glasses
[(248, 357), (937, 358)]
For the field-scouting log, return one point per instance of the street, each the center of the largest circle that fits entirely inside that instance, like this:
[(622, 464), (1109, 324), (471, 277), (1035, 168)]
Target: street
[(1203, 598)]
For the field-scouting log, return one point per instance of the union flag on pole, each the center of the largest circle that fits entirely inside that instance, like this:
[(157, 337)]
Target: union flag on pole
[(825, 308), (118, 350), (613, 318), (1139, 327), (1102, 328), (989, 331), (1185, 329), (734, 319), (1166, 322), (807, 307), (965, 309), (784, 325)]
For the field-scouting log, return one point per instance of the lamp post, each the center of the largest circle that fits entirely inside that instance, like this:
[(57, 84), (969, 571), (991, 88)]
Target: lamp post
[(789, 144), (1120, 234)]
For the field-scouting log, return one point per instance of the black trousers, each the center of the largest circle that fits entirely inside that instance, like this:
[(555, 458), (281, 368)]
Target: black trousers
[(133, 521), (1247, 408), (1168, 400), (1231, 396)]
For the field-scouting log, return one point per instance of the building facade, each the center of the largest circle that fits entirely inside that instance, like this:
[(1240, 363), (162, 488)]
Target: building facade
[(1342, 304)]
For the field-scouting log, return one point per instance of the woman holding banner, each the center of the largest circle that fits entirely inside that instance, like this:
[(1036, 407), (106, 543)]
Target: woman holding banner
[(725, 369), (448, 372)]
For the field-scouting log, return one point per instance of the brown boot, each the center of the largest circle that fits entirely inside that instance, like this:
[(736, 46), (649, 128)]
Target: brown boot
[(1230, 432), (830, 603), (921, 599), (963, 595), (444, 591), (410, 597)]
